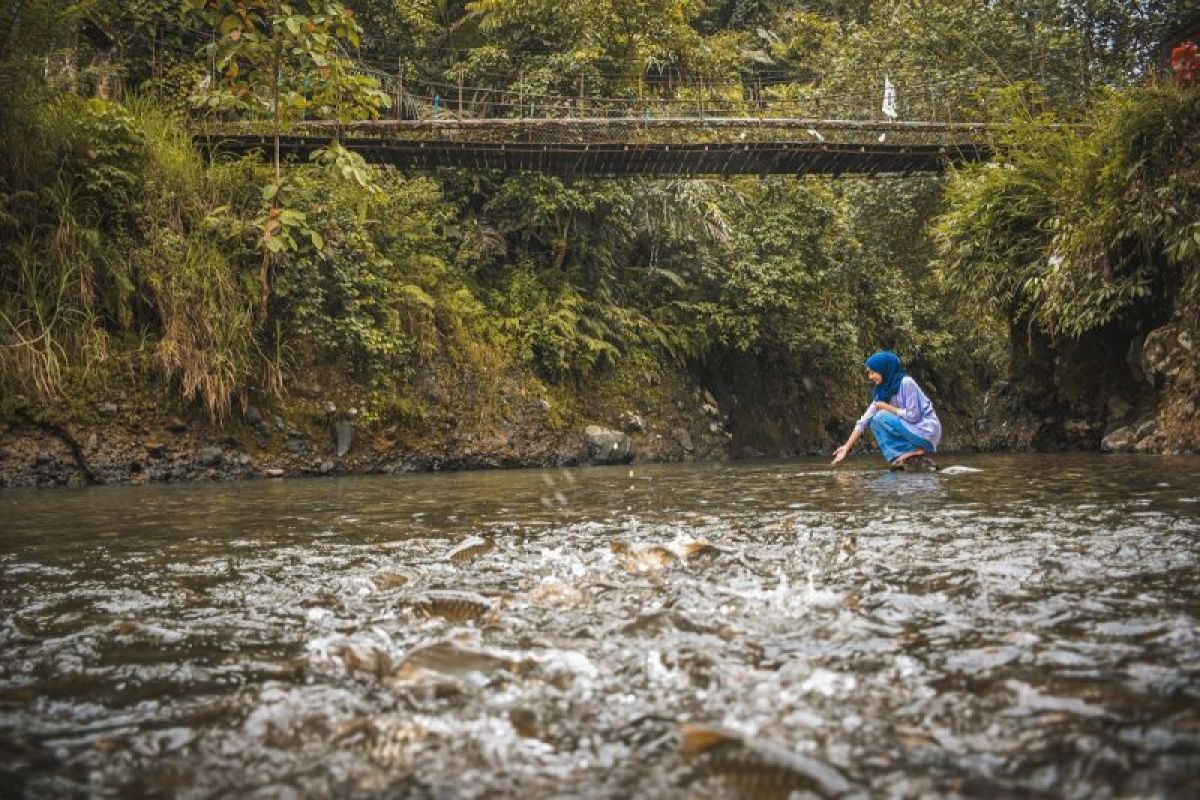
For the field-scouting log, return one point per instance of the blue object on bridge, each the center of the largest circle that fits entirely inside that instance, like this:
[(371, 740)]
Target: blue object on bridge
[(437, 105)]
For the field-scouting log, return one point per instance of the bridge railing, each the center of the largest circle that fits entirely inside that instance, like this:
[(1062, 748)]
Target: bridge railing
[(927, 99)]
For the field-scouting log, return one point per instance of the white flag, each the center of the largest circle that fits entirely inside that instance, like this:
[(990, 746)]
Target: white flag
[(889, 98)]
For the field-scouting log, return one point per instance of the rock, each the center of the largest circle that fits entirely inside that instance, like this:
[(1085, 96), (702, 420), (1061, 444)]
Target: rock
[(605, 446), (108, 409), (273, 473), (714, 427), (253, 415), (1164, 354), (325, 467), (93, 441), (683, 438), (43, 457), (1189, 408), (297, 445), (343, 436), (710, 410), (1145, 428), (709, 399), (155, 448), (544, 404), (631, 422), (278, 423), (209, 456), (1122, 440), (1118, 407), (330, 407), (244, 459), (177, 425)]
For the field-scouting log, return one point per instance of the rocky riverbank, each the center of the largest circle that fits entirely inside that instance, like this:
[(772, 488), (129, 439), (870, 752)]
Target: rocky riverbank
[(1148, 403), (129, 438)]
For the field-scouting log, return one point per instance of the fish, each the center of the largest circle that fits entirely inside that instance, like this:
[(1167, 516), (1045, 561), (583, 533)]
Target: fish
[(452, 605), (469, 548), (374, 661), (648, 559), (700, 549), (389, 580), (760, 769), (388, 744), (449, 658)]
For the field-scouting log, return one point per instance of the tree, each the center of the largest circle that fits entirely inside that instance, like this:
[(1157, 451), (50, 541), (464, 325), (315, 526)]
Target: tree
[(286, 59)]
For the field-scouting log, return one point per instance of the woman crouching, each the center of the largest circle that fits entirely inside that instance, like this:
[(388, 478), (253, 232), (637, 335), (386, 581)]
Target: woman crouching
[(906, 427)]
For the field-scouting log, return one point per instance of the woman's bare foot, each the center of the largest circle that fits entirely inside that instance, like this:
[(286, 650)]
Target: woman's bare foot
[(902, 458)]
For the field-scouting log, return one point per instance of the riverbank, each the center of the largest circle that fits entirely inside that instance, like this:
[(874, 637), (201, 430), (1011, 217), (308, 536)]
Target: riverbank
[(137, 434)]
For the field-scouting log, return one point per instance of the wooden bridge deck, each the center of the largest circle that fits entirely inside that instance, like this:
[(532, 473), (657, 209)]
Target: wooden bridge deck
[(633, 147)]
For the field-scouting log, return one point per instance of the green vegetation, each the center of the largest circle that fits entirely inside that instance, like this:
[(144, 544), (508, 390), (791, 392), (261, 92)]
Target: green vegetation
[(130, 255)]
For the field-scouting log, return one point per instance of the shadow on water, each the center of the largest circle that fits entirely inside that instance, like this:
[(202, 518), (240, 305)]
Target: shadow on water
[(1016, 626)]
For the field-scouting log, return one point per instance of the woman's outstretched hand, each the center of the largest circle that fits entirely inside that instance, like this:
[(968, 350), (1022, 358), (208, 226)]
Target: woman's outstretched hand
[(840, 454)]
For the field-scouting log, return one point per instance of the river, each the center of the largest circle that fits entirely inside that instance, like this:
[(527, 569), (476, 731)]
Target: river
[(1016, 626)]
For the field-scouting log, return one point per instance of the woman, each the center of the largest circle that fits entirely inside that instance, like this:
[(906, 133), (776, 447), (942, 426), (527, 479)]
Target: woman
[(905, 425)]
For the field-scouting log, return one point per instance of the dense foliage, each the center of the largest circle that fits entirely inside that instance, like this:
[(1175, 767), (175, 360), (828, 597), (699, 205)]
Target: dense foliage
[(126, 252), (1076, 227)]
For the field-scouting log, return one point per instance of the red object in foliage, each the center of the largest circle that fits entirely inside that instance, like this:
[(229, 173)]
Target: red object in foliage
[(1185, 63)]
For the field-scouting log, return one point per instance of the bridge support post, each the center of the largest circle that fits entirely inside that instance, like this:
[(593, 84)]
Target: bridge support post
[(399, 87)]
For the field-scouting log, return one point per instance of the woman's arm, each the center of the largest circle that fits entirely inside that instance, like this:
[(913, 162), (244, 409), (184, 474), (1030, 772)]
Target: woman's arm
[(840, 454), (909, 409)]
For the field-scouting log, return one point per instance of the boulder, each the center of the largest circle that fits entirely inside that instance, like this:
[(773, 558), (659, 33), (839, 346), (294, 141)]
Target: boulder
[(1145, 428), (155, 448), (606, 446), (1122, 440), (684, 439), (210, 456), (1166, 351)]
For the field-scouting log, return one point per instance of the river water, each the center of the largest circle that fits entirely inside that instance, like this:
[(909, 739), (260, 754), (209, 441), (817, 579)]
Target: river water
[(1017, 626)]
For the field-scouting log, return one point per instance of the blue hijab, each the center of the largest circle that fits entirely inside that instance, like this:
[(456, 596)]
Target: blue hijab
[(887, 364)]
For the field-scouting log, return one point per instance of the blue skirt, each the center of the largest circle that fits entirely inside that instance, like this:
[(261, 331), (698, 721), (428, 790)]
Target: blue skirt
[(894, 439)]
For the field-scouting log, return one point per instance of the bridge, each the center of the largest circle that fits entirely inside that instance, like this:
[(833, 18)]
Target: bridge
[(693, 132), (808, 147)]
